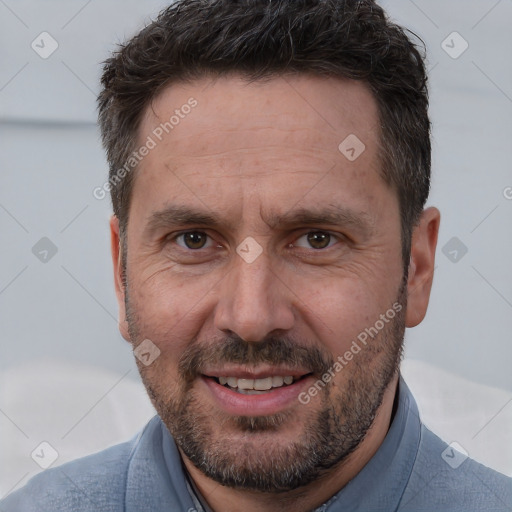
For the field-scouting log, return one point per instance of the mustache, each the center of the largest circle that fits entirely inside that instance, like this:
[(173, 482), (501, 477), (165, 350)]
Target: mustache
[(273, 351)]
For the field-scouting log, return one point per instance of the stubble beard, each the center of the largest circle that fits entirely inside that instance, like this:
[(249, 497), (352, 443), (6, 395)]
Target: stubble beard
[(240, 451)]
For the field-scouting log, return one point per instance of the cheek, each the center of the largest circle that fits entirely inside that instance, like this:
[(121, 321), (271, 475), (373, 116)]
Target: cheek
[(169, 312), (339, 311)]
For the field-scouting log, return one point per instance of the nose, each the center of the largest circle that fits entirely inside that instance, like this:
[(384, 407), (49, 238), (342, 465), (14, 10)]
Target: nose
[(253, 301)]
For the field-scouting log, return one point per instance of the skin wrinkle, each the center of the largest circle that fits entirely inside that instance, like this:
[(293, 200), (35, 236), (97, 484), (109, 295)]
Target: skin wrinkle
[(316, 162), (285, 306)]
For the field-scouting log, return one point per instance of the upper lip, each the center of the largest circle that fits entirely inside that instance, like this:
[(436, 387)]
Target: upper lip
[(244, 372)]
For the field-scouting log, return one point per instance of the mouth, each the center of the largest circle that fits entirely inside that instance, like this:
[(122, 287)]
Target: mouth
[(247, 393), (257, 386)]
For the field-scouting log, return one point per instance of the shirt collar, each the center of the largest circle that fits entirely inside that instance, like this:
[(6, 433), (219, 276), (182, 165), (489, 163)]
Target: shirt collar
[(155, 478), (379, 486)]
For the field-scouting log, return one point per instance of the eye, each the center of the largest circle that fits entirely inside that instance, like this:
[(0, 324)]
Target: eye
[(192, 240), (316, 240)]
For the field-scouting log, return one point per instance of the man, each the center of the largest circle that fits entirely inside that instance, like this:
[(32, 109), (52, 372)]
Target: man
[(269, 168)]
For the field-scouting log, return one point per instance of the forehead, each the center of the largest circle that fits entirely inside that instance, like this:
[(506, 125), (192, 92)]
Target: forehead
[(285, 140), (302, 104)]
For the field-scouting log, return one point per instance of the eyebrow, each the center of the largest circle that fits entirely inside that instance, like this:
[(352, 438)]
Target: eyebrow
[(179, 215), (329, 214)]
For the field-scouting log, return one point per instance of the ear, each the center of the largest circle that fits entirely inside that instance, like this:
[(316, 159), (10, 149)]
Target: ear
[(115, 243), (421, 266)]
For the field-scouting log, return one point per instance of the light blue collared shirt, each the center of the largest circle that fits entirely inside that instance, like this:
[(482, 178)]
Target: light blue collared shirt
[(412, 471)]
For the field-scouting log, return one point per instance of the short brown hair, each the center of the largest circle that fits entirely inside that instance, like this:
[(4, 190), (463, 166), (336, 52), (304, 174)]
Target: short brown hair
[(264, 38)]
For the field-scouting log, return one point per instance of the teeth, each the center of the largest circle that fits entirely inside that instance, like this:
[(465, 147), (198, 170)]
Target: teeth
[(263, 384), (256, 384), (277, 382), (250, 391), (245, 383)]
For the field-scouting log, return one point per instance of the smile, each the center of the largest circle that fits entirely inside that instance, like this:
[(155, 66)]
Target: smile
[(255, 386), (257, 393)]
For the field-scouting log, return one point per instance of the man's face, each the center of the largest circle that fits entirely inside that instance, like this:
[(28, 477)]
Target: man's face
[(275, 287)]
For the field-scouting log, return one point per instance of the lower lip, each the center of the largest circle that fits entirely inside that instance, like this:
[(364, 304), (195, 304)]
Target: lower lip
[(263, 404)]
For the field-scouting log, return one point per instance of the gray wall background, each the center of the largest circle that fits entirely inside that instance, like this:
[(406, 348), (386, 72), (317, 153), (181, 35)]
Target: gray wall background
[(64, 310)]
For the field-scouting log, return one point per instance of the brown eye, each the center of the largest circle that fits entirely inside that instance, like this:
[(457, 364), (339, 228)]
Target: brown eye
[(318, 239), (193, 239)]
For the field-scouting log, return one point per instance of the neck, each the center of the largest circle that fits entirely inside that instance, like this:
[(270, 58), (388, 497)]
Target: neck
[(226, 499)]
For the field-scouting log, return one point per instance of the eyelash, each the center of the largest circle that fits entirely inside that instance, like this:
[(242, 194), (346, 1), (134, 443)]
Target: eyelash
[(338, 238)]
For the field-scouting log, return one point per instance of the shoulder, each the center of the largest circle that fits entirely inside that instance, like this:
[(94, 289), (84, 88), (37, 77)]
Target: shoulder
[(446, 479), (90, 484)]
